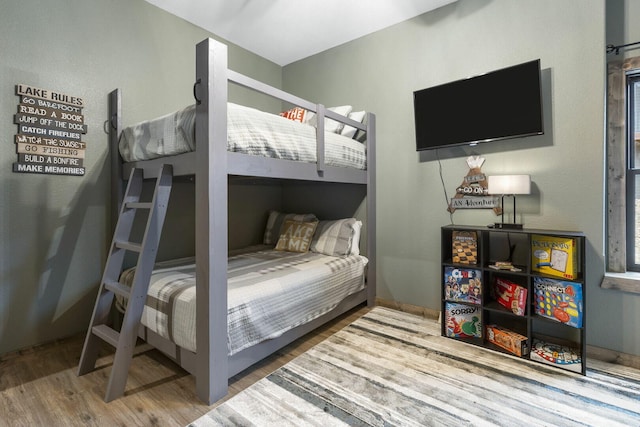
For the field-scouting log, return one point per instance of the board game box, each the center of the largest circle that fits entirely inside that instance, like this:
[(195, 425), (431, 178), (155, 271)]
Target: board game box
[(464, 246), (509, 340), (558, 300), (553, 255), (462, 320), (556, 355), (510, 295), (463, 284)]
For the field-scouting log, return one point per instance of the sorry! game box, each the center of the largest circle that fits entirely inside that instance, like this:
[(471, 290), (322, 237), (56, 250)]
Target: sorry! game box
[(558, 300), (463, 320)]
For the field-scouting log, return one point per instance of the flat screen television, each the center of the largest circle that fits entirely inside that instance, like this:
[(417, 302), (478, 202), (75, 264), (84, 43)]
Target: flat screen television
[(505, 103)]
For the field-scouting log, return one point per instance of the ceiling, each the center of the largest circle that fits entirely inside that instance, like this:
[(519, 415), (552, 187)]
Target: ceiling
[(285, 31)]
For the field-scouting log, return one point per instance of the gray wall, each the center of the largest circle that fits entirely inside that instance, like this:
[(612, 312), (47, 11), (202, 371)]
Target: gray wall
[(379, 72), (54, 230), (623, 26)]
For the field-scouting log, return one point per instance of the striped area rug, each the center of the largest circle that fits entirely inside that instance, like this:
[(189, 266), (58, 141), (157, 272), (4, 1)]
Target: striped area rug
[(390, 368)]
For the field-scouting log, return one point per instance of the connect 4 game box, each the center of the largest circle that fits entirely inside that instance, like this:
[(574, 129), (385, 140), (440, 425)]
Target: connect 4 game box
[(558, 300)]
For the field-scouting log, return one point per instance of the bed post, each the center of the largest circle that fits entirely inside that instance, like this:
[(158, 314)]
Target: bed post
[(211, 221), (371, 209), (114, 124)]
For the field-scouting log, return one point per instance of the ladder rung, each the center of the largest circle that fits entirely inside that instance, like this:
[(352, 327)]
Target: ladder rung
[(138, 205), (107, 334), (118, 288), (134, 247)]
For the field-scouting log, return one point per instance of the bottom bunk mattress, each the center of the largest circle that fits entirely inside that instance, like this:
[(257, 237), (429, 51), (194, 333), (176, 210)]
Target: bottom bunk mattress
[(269, 293)]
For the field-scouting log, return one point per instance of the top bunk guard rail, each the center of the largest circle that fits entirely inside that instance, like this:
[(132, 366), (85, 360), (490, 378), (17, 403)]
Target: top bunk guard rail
[(258, 86), (319, 109)]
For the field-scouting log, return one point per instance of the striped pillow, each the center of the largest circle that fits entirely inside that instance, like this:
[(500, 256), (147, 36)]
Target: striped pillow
[(334, 237), (274, 224)]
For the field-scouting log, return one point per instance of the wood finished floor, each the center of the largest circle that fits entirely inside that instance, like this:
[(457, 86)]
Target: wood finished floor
[(39, 387)]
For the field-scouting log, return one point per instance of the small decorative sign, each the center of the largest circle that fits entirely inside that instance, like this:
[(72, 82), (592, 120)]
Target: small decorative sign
[(472, 193), (50, 129)]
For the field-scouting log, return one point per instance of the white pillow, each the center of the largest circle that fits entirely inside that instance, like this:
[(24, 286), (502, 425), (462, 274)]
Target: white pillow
[(337, 237), (329, 124), (332, 125), (333, 238), (350, 131), (355, 240)]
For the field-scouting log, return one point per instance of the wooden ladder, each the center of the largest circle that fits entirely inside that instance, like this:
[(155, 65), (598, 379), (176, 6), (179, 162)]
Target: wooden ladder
[(124, 341)]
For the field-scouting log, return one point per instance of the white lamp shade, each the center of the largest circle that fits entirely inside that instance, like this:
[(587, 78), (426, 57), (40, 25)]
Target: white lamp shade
[(509, 184)]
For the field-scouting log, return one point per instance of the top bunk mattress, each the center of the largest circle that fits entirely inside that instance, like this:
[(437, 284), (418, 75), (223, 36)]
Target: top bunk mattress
[(249, 131)]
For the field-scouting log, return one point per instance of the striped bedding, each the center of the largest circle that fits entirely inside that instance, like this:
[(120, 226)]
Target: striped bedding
[(270, 292), (250, 131)]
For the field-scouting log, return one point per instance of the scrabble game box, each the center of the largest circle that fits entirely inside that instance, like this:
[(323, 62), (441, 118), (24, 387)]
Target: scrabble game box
[(510, 295), (464, 247), (558, 300), (504, 338), (463, 284), (463, 320), (554, 256)]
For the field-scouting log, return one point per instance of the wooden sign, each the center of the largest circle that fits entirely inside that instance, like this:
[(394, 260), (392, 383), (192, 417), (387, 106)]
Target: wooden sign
[(48, 170), (472, 193), (48, 95), (50, 113), (50, 129), (475, 202), (47, 123), (49, 150), (55, 142)]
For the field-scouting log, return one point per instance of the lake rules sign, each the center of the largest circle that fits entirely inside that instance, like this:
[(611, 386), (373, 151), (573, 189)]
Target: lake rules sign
[(50, 129)]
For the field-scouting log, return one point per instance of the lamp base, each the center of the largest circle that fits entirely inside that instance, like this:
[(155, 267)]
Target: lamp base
[(507, 226)]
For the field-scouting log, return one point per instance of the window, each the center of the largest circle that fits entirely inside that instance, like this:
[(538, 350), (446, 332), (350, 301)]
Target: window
[(632, 113), (623, 176)]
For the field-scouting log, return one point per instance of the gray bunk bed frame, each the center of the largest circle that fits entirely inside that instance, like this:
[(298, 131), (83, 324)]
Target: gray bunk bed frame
[(211, 164)]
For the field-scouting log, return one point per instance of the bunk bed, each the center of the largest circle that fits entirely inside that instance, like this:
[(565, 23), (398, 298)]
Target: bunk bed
[(212, 164)]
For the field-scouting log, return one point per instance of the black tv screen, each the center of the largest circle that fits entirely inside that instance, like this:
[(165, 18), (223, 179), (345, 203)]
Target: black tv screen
[(505, 103)]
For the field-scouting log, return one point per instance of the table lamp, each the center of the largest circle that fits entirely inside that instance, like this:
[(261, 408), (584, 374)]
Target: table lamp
[(509, 185)]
